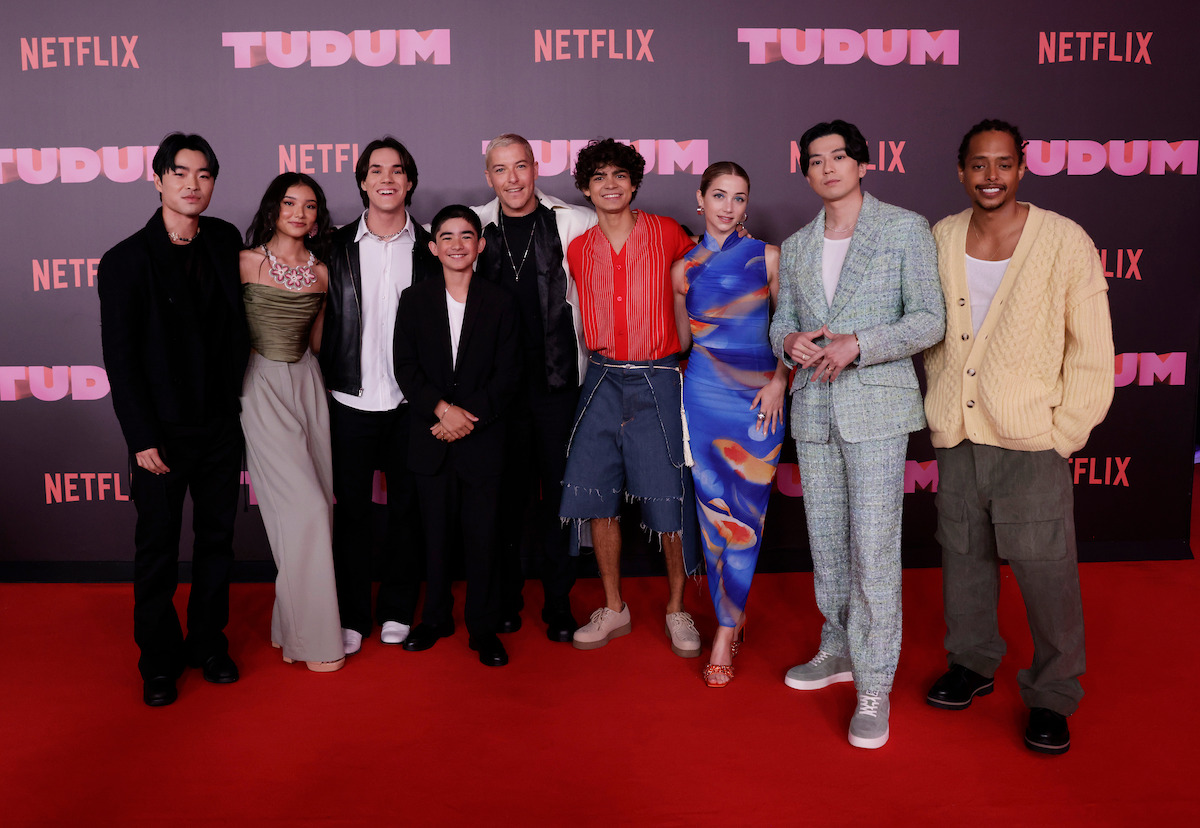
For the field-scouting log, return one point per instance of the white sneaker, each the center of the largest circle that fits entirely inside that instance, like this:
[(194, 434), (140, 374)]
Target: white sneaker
[(685, 640), (351, 641), (869, 727), (394, 632)]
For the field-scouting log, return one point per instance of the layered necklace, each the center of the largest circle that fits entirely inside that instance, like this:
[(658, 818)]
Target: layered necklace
[(291, 278), (508, 250)]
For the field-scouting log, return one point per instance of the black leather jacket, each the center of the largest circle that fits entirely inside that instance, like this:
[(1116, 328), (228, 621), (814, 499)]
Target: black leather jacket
[(341, 339)]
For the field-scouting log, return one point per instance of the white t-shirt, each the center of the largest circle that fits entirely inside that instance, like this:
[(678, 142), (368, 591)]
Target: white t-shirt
[(983, 280), (456, 310), (833, 256)]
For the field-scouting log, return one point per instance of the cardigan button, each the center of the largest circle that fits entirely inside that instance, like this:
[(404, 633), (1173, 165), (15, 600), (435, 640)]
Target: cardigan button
[(962, 302), (970, 372), (966, 337), (970, 403)]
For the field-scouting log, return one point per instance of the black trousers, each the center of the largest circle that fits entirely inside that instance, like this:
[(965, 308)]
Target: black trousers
[(363, 441), (455, 504), (205, 461), (538, 428)]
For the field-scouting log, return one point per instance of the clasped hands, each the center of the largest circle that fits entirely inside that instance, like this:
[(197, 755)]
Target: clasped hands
[(454, 424), (828, 360)]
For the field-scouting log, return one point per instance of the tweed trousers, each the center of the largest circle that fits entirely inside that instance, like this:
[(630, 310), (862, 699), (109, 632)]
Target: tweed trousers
[(853, 496)]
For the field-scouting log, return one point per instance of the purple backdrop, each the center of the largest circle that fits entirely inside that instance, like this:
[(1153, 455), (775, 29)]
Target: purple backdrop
[(1105, 96)]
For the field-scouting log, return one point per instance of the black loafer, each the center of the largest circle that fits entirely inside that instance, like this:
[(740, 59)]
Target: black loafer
[(424, 636), (1047, 732), (220, 669), (159, 691), (491, 651), (560, 626), (510, 624), (957, 688)]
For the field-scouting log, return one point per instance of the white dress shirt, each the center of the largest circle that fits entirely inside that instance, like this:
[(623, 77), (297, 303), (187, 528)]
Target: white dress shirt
[(386, 268)]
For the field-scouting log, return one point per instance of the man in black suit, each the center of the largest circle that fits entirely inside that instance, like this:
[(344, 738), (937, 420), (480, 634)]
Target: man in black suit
[(175, 348), (457, 361), (373, 260)]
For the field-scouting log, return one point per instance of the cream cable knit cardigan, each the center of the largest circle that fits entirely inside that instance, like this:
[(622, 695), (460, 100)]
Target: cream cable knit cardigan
[(1039, 375)]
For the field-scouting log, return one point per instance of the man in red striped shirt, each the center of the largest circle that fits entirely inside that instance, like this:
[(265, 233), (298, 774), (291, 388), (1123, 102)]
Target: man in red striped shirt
[(628, 434)]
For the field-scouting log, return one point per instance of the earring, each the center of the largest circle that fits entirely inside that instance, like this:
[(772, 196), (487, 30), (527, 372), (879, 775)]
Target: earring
[(699, 210), (312, 232)]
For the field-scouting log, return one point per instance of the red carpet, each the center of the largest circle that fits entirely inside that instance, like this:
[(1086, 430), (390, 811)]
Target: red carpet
[(623, 735)]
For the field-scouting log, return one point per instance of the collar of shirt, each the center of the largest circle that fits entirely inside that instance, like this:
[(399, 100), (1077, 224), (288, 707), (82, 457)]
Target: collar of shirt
[(408, 233)]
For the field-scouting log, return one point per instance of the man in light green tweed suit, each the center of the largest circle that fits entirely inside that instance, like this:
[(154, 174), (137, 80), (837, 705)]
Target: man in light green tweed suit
[(859, 295)]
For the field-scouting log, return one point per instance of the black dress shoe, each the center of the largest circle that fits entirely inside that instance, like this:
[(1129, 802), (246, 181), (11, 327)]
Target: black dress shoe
[(220, 669), (956, 689), (424, 636), (491, 651), (159, 691), (1047, 732), (560, 626), (510, 624)]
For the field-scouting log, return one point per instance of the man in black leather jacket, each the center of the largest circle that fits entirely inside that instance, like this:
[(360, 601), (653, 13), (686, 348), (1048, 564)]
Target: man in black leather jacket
[(373, 260)]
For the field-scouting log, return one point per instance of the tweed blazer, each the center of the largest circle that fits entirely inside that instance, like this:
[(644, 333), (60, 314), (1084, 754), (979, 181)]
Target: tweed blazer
[(890, 296)]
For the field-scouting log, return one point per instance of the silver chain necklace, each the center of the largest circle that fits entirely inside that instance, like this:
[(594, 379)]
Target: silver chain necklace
[(508, 250)]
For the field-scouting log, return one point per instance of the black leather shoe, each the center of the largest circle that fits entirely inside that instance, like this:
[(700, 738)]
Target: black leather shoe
[(491, 651), (560, 626), (159, 691), (510, 624), (1047, 732), (956, 689), (220, 669), (424, 636)]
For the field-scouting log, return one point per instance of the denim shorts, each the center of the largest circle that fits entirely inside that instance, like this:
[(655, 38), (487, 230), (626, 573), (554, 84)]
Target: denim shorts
[(627, 441)]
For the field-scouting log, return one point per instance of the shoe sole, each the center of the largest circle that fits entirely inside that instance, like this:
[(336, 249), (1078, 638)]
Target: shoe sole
[(1050, 750), (802, 684), (870, 744), (625, 629), (963, 705)]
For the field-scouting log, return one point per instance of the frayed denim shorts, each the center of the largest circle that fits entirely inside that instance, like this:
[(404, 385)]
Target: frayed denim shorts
[(627, 442)]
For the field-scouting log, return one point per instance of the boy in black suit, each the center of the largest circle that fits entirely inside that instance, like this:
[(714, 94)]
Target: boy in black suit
[(457, 362)]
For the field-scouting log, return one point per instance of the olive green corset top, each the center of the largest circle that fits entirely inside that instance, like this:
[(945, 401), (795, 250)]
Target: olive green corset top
[(280, 320)]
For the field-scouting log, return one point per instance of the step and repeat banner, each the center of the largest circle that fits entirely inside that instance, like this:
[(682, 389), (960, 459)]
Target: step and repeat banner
[(1105, 96)]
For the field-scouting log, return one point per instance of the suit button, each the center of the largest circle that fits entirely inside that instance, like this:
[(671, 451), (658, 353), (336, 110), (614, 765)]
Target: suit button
[(970, 372), (966, 337), (962, 302), (970, 403)]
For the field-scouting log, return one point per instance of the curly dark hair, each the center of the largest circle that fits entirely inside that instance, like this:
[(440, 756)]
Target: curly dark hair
[(262, 226), (992, 125), (609, 153)]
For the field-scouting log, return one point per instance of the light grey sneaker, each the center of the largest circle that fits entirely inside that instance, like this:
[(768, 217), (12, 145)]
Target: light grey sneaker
[(604, 626), (685, 639), (824, 669), (869, 726)]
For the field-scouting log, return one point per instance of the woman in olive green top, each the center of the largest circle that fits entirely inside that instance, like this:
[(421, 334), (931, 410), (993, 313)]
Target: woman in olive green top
[(286, 418)]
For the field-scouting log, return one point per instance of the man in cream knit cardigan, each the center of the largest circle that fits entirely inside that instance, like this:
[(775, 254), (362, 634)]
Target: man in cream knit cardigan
[(1023, 376)]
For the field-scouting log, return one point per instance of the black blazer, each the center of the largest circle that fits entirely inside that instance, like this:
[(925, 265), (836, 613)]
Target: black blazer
[(341, 336), (483, 382), (148, 332)]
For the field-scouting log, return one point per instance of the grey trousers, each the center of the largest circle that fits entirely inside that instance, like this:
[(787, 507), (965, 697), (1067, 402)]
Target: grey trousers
[(1018, 505), (853, 496), (285, 418)]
